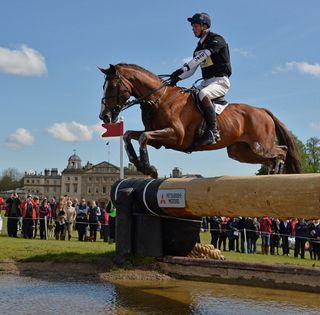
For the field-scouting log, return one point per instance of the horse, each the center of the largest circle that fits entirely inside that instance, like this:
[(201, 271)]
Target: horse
[(172, 119)]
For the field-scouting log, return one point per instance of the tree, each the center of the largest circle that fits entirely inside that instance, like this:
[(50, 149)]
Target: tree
[(11, 178), (313, 155)]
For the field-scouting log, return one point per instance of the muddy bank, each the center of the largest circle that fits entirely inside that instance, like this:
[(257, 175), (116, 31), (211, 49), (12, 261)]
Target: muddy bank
[(258, 275), (290, 277), (77, 271)]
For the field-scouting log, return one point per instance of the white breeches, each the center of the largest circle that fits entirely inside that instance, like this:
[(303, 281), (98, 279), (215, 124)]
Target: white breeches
[(214, 87)]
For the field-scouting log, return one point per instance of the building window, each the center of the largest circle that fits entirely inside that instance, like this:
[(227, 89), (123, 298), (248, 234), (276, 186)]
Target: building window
[(67, 188), (68, 178), (76, 178), (54, 189), (97, 190), (89, 190), (104, 179), (32, 181), (75, 188), (97, 179), (89, 179), (38, 181), (28, 181), (104, 189)]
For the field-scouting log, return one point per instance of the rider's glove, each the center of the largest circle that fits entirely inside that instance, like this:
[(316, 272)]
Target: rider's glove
[(174, 77)]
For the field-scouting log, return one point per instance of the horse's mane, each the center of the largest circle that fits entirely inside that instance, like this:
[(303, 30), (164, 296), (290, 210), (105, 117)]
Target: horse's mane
[(136, 67)]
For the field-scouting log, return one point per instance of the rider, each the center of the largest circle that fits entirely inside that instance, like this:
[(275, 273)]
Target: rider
[(212, 54)]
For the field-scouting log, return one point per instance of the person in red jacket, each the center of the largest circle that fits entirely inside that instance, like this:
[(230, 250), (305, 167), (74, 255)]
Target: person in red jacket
[(265, 229), (29, 214)]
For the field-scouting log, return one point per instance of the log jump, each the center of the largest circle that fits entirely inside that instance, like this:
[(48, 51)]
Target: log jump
[(180, 203)]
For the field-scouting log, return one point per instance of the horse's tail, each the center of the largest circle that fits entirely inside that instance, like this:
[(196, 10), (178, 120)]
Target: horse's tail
[(292, 163)]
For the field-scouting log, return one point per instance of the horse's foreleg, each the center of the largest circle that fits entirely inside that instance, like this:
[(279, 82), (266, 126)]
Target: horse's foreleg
[(132, 155), (163, 136)]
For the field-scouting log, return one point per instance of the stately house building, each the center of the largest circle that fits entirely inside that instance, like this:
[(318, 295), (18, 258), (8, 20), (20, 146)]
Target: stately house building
[(92, 182)]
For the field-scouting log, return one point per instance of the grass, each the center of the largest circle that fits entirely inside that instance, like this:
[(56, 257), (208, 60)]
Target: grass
[(20, 249)]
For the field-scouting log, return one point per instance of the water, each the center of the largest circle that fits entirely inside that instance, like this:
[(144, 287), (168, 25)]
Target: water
[(25, 295)]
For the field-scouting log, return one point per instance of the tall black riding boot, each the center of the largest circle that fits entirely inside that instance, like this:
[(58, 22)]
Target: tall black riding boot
[(212, 134)]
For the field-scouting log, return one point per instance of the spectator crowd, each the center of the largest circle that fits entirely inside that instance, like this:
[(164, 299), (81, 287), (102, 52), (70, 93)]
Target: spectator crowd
[(59, 218), (242, 235), (239, 234)]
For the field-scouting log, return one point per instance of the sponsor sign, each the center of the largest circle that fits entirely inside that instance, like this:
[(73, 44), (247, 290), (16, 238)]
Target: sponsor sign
[(171, 198)]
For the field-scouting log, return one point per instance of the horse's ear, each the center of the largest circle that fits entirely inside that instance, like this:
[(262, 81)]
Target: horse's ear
[(112, 69), (104, 71)]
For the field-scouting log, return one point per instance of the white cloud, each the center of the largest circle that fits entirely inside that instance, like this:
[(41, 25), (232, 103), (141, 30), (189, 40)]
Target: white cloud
[(24, 61), (243, 52), (314, 126), (19, 139), (73, 131), (303, 67)]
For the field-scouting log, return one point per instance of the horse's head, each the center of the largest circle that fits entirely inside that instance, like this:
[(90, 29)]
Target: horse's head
[(116, 92)]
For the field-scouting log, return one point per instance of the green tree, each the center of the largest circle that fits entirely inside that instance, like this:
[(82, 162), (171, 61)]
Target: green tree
[(312, 150), (11, 178)]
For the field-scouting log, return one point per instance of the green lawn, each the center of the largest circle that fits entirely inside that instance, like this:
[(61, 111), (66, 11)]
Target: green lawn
[(20, 249)]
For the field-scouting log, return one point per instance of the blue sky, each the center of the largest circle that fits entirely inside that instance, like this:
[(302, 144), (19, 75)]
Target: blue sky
[(50, 87)]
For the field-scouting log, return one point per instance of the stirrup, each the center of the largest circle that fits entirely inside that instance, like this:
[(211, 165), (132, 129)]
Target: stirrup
[(211, 138)]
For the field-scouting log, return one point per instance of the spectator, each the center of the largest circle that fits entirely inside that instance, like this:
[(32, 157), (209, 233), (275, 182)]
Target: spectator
[(241, 227), (13, 212), (94, 216), (61, 217), (215, 228), (70, 218), (36, 221), (233, 234), (249, 234), (44, 216), (317, 236), (104, 220), (112, 211), (275, 236), (82, 219), (29, 214), (223, 234), (265, 229), (256, 235), (301, 237), (285, 232), (311, 233)]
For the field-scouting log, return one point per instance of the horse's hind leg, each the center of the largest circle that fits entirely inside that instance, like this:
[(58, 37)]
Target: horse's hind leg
[(242, 152)]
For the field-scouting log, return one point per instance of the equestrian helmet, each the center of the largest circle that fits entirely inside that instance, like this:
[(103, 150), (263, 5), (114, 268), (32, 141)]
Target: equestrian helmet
[(200, 18)]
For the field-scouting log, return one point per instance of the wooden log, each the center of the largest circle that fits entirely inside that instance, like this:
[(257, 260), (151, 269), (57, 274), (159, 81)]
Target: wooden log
[(278, 196)]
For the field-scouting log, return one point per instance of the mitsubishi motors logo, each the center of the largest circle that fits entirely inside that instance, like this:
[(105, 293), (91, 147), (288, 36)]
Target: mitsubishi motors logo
[(162, 200), (171, 198)]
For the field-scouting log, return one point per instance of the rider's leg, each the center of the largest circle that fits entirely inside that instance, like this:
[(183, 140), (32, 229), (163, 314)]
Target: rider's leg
[(212, 89), (211, 135)]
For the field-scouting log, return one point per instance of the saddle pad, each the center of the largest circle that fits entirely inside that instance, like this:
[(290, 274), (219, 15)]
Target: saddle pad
[(220, 108)]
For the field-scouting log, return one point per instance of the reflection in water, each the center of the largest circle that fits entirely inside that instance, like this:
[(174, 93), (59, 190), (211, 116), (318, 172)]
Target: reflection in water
[(23, 295)]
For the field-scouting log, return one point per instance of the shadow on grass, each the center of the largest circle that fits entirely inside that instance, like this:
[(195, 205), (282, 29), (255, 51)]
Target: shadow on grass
[(73, 257), (99, 259)]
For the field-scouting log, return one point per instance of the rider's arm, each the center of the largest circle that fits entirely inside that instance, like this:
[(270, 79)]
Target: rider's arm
[(190, 67)]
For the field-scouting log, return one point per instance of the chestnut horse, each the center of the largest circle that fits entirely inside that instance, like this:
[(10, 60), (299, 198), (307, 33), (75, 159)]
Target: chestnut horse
[(172, 119)]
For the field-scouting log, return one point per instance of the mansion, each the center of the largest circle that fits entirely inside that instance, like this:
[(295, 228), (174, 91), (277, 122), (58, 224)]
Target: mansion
[(92, 182)]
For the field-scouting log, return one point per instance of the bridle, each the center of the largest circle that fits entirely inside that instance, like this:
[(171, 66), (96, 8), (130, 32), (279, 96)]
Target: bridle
[(119, 93)]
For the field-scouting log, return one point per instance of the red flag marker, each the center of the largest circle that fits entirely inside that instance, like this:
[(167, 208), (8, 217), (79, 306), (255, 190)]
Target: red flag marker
[(113, 130)]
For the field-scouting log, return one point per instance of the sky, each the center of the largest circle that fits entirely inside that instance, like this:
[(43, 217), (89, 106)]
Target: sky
[(50, 87)]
